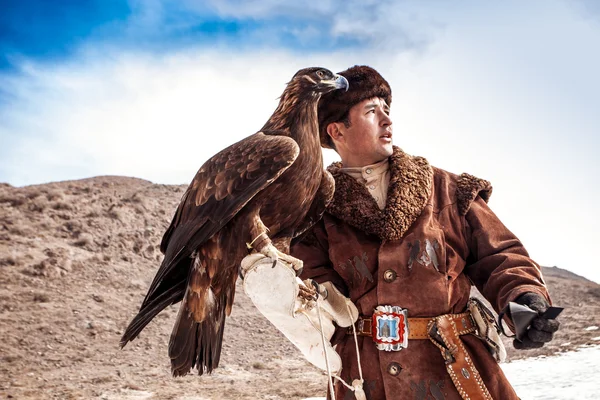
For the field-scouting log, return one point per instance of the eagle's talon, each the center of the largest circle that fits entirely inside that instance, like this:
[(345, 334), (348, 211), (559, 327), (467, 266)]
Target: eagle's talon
[(271, 252)]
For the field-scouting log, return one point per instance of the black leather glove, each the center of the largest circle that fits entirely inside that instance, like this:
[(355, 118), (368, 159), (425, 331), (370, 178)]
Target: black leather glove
[(541, 329)]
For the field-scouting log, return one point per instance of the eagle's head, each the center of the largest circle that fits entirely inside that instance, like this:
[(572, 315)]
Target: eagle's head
[(319, 80)]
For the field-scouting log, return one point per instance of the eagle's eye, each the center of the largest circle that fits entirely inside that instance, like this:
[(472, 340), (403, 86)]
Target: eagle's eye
[(321, 74)]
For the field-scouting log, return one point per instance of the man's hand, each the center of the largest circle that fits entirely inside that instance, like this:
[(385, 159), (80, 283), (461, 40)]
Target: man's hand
[(541, 329)]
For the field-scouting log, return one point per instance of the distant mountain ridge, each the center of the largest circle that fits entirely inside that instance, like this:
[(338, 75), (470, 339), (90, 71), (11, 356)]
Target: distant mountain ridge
[(563, 273)]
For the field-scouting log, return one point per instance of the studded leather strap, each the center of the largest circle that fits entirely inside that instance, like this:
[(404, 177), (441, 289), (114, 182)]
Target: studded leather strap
[(459, 365)]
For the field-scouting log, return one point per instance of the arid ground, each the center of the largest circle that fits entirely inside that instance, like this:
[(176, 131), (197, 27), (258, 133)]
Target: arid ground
[(76, 259)]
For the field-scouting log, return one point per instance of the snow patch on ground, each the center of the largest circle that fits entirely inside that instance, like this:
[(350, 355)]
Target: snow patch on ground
[(571, 375)]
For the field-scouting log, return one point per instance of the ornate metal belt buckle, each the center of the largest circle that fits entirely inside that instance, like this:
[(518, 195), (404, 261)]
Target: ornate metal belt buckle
[(390, 328)]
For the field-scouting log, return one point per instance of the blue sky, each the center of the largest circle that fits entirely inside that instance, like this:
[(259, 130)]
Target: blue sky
[(55, 31), (508, 91)]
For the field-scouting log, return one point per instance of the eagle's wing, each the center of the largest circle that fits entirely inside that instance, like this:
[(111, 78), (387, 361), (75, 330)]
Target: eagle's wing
[(320, 202), (222, 186)]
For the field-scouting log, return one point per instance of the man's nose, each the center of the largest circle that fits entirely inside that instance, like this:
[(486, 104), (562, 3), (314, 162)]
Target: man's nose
[(385, 119)]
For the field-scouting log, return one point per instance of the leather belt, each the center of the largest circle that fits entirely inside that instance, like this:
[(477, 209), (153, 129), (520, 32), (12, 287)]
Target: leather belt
[(417, 327)]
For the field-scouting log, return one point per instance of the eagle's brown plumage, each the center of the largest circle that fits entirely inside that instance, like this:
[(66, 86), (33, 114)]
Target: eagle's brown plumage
[(272, 181)]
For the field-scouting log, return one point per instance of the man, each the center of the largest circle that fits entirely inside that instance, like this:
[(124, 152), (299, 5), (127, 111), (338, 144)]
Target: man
[(404, 234)]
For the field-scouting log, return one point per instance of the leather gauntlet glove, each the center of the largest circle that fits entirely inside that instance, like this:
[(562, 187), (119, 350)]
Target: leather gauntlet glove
[(542, 328)]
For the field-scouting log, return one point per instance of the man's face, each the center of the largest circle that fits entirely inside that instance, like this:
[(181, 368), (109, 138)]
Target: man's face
[(368, 139)]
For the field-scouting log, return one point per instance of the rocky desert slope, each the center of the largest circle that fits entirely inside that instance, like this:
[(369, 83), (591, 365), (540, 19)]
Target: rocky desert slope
[(76, 259)]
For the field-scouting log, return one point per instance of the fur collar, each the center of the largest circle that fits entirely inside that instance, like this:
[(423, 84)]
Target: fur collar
[(468, 187), (409, 189)]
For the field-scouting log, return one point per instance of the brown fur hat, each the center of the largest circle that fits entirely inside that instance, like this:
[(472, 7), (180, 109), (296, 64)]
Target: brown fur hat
[(365, 83)]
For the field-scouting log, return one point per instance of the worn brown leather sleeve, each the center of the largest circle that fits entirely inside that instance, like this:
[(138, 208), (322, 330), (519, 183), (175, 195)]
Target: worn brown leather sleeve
[(498, 263), (313, 250)]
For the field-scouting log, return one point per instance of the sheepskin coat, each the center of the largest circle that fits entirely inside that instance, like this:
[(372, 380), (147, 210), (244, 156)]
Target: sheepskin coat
[(435, 238)]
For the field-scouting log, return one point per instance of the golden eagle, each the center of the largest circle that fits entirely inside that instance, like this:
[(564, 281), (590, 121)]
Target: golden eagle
[(260, 192)]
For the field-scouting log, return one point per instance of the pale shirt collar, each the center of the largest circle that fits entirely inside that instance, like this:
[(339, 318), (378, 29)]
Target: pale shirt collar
[(376, 178), (368, 172)]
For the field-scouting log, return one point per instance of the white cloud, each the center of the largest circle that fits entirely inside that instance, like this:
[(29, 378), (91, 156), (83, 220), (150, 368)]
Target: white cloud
[(156, 117), (513, 100)]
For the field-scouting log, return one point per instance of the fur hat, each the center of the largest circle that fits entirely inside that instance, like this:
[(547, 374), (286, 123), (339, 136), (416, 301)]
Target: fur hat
[(365, 83)]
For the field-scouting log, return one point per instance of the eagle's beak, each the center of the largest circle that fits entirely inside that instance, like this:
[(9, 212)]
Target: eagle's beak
[(338, 82), (341, 83)]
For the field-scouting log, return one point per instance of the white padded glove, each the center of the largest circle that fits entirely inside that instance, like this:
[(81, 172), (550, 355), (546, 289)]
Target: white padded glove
[(334, 303), (274, 292)]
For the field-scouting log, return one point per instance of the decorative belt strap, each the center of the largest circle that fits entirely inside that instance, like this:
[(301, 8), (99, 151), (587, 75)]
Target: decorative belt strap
[(445, 334), (417, 327)]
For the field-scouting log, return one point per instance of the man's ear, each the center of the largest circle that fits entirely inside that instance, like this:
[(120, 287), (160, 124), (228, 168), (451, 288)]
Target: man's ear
[(333, 130)]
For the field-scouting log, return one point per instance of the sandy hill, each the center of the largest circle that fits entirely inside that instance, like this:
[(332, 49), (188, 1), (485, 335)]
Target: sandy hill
[(76, 259)]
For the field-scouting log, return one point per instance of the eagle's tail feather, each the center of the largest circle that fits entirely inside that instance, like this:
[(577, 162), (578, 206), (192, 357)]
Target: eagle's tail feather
[(197, 344), (149, 311)]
